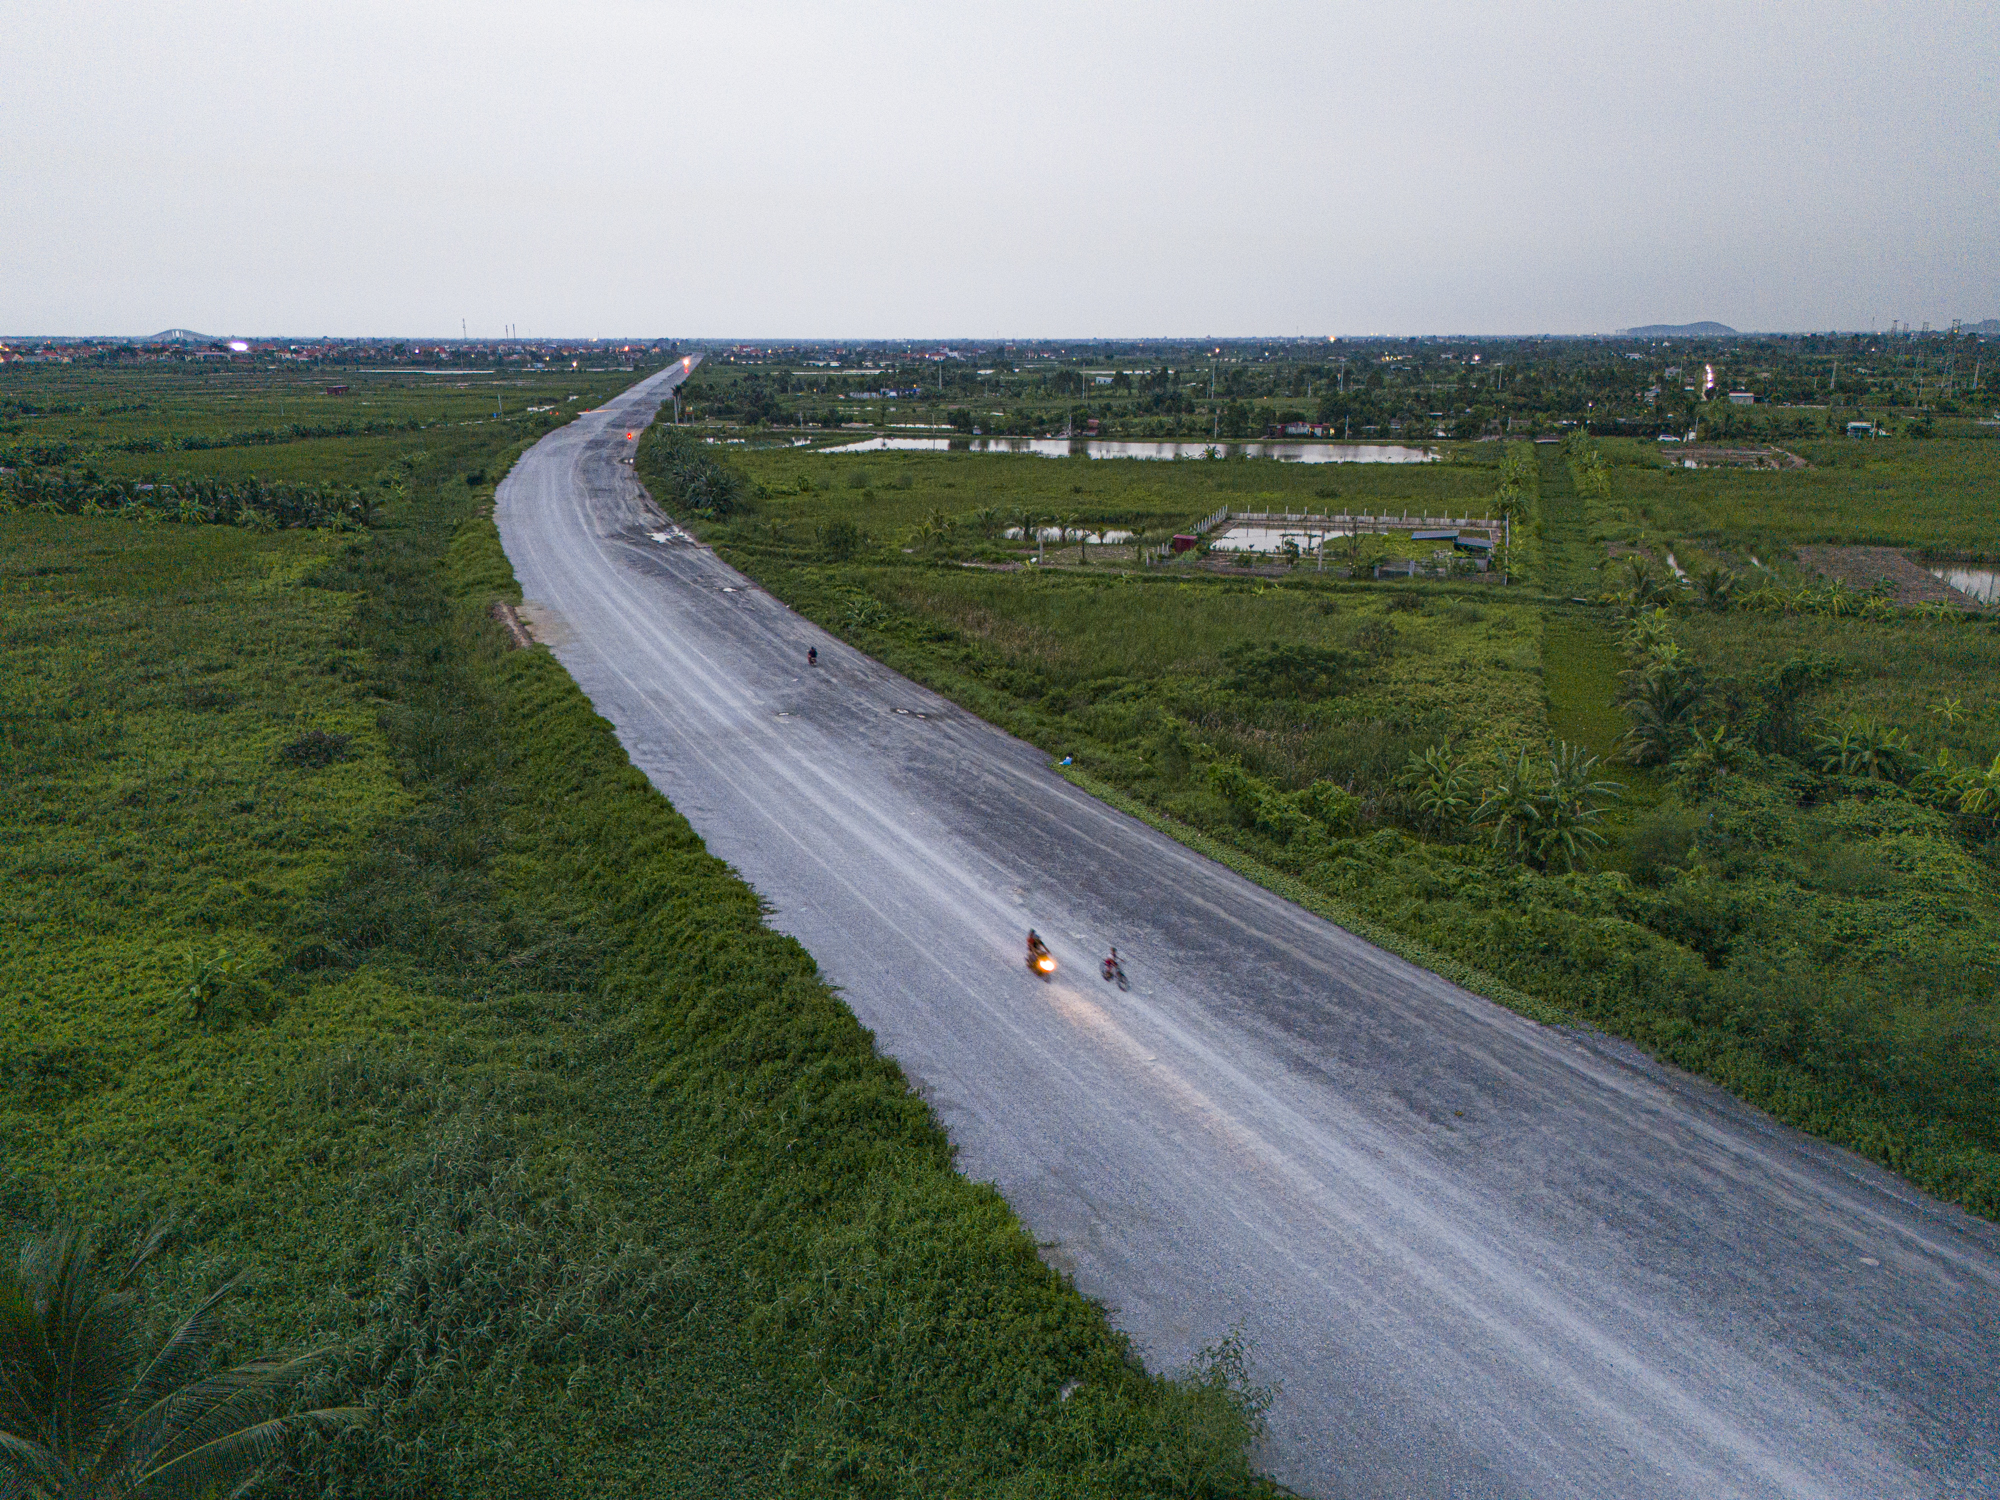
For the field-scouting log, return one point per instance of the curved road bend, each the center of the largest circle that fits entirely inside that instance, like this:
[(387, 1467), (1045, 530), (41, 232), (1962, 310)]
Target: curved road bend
[(1484, 1257)]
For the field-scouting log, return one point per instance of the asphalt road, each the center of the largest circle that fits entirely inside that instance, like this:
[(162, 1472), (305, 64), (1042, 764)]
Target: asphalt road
[(1482, 1257)]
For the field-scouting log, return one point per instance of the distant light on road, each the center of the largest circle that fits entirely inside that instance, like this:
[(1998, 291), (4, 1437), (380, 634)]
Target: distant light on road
[(239, 345), (630, 435)]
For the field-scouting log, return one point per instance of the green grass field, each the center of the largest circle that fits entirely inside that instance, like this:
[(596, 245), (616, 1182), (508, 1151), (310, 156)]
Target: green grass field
[(353, 939), (1936, 496), (889, 494)]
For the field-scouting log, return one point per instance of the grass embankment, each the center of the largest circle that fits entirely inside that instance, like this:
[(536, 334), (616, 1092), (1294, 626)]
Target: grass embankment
[(1820, 945), (454, 1037)]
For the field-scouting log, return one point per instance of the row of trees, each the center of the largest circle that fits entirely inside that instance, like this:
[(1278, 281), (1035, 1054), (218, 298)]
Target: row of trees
[(255, 437), (1644, 585)]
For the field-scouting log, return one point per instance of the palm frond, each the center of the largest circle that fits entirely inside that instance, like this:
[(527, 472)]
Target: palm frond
[(27, 1467), (232, 1455), (25, 1368), (183, 1354), (156, 1238), (208, 1410), (90, 1338)]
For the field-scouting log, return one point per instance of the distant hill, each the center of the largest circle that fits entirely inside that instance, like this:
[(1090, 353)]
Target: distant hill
[(1679, 331), (1989, 327)]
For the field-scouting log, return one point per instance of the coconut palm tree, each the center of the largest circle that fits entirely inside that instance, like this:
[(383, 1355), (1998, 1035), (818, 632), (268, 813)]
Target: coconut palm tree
[(1570, 806), (1856, 747), (90, 1410), (1715, 588), (1439, 788), (1510, 809), (1070, 521)]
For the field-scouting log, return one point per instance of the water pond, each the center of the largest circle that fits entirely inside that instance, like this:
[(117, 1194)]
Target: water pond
[(1294, 453), (1058, 534), (1982, 584), (1271, 538)]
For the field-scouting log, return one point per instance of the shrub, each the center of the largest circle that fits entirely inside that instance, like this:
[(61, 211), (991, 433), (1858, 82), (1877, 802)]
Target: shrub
[(316, 748), (1286, 671), (1661, 843), (839, 540)]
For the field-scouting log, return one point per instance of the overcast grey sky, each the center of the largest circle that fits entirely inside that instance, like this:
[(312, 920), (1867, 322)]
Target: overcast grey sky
[(857, 170)]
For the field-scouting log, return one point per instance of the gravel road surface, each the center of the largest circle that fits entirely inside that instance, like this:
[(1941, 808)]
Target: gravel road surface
[(1480, 1256)]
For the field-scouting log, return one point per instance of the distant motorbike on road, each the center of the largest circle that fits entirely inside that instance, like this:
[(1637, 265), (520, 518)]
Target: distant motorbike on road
[(1114, 971), (1040, 961)]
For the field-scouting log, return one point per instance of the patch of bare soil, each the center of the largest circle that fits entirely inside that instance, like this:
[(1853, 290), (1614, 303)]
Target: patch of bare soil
[(1741, 458), (1864, 567), (1216, 563), (517, 633)]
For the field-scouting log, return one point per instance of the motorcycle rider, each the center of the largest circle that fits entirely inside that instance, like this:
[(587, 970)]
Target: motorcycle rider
[(812, 656), (1114, 969), (1036, 947)]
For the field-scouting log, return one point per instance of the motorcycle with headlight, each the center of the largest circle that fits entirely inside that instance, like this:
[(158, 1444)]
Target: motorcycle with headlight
[(1041, 962)]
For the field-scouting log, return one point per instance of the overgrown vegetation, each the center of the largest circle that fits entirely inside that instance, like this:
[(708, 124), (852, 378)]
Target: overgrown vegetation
[(686, 475), (354, 936), (92, 1408), (189, 501)]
